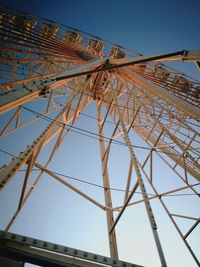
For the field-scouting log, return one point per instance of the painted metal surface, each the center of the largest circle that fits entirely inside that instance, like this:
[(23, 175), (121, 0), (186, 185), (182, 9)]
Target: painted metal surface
[(39, 63)]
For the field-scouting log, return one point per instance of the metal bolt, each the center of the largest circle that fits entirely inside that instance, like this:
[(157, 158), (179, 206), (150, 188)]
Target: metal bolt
[(65, 249), (13, 236)]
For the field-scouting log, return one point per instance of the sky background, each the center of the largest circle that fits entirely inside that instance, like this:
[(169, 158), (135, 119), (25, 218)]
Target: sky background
[(148, 27), (145, 26)]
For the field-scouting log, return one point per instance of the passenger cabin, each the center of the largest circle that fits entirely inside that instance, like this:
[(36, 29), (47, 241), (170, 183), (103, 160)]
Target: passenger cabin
[(160, 73), (72, 38), (18, 24), (23, 24), (49, 31), (5, 19), (95, 47), (141, 67), (182, 83), (196, 92), (116, 53), (2, 16)]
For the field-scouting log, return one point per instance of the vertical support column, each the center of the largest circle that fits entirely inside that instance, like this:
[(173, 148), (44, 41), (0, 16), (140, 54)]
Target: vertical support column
[(67, 117), (107, 193), (141, 184)]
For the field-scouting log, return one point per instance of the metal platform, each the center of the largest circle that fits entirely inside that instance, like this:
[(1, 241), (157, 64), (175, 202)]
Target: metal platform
[(15, 250)]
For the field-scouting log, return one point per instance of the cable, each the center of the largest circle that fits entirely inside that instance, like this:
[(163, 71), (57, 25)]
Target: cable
[(107, 139), (97, 185), (164, 117), (86, 132), (85, 114), (9, 154), (92, 117), (95, 118), (112, 188)]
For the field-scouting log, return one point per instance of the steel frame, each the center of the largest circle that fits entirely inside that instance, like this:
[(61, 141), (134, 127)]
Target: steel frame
[(138, 95)]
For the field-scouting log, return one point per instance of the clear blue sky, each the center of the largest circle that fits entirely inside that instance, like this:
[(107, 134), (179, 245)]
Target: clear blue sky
[(148, 27), (145, 26)]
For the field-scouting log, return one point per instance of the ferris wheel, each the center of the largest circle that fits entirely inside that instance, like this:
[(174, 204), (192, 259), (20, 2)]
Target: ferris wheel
[(147, 121)]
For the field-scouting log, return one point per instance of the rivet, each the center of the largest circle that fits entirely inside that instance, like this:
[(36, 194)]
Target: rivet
[(13, 236), (104, 259)]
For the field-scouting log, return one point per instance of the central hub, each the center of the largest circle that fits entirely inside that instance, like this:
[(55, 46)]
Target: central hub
[(99, 85)]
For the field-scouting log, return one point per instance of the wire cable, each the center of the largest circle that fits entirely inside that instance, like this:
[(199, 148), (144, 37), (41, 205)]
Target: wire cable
[(95, 136), (95, 184)]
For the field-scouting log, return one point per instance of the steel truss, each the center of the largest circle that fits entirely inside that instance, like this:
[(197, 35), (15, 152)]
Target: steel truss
[(23, 248), (42, 62)]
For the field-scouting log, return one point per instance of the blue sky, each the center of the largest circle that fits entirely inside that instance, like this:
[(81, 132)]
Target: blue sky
[(148, 27), (145, 26)]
